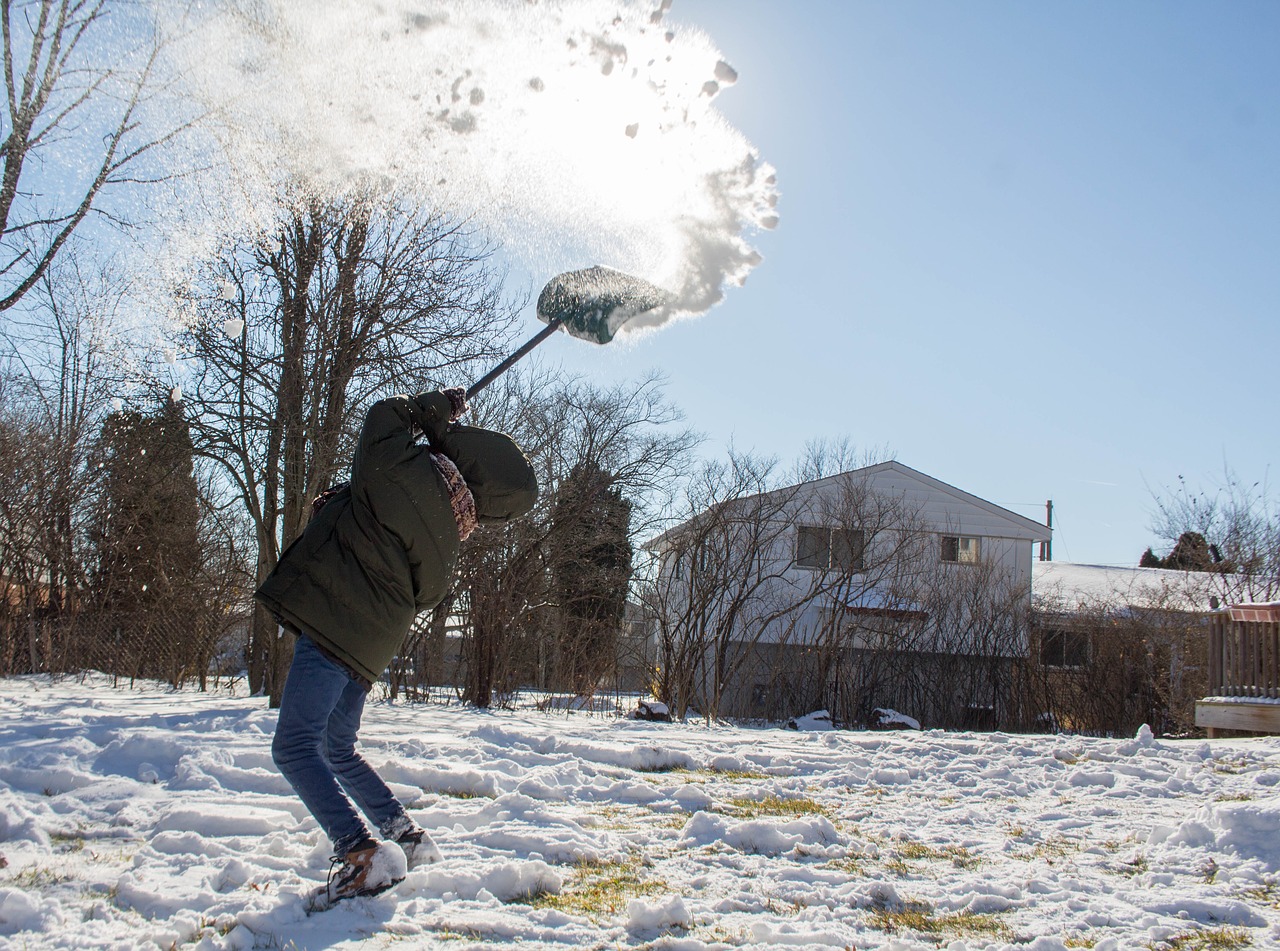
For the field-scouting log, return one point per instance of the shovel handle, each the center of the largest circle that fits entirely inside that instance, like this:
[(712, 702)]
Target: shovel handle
[(552, 326)]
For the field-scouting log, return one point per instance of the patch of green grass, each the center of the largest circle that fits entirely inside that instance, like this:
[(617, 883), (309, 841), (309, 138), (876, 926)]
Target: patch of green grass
[(850, 865), (1265, 894), (66, 842), (1232, 767), (1233, 797), (463, 934), (676, 821), (600, 889), (1054, 847), (35, 877), (1208, 939), (665, 768), (709, 774), (782, 908), (1135, 866), (613, 817), (1079, 942), (459, 794), (920, 917), (737, 775), (958, 855), (775, 806), (897, 867), (719, 934)]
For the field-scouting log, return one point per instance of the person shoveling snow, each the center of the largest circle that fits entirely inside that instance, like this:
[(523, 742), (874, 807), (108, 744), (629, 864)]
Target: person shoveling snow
[(378, 551)]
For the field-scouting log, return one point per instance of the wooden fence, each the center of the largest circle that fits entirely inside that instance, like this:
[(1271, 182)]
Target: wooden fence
[(1244, 670), (1244, 657)]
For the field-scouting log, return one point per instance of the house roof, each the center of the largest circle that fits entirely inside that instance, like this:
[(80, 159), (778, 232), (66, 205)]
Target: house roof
[(1017, 525), (1031, 527), (1064, 587)]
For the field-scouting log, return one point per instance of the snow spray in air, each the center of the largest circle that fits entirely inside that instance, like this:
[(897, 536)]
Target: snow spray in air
[(571, 131)]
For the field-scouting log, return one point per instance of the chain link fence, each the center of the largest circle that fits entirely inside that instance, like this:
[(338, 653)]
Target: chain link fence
[(157, 645)]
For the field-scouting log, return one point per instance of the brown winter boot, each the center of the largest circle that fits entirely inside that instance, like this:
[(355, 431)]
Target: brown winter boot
[(418, 847), (368, 869)]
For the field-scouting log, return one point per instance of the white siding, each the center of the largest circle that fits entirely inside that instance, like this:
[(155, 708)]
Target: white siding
[(938, 509)]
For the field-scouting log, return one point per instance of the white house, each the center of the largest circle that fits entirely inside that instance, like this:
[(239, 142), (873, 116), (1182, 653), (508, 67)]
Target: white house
[(785, 598)]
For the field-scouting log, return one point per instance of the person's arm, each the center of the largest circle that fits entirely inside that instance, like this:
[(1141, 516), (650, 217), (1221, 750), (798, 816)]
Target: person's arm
[(388, 436)]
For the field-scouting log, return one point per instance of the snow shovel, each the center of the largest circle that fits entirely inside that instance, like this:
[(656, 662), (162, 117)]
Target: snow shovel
[(590, 304)]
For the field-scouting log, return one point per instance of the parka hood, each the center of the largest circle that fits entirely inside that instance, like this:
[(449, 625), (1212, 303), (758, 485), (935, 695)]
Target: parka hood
[(498, 473)]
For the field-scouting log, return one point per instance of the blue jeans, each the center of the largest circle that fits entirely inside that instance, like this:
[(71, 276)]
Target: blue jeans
[(315, 749)]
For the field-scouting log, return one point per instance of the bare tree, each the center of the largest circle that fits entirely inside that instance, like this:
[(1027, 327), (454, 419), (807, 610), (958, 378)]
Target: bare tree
[(60, 369), (1240, 520), (720, 581), (823, 458), (967, 652), (867, 594), (590, 559), (1107, 668), (63, 365), (512, 627), (73, 130), (293, 333), (830, 594), (27, 640)]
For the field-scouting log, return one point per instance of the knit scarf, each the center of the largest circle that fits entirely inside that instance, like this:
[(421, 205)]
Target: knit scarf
[(460, 497)]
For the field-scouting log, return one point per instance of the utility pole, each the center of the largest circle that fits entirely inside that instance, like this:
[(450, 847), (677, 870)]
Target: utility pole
[(1046, 548)]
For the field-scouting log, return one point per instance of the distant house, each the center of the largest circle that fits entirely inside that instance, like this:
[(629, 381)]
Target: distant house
[(1113, 648), (879, 587), (1067, 593)]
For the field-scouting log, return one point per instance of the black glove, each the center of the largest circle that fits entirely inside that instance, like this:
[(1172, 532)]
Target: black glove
[(457, 397)]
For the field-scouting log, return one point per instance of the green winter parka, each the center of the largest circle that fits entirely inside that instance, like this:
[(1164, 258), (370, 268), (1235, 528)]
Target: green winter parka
[(384, 549)]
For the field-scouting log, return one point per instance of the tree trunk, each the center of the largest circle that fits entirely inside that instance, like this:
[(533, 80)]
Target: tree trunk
[(33, 642)]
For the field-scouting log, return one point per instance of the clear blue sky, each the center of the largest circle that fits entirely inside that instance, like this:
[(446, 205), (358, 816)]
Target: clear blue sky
[(1031, 248)]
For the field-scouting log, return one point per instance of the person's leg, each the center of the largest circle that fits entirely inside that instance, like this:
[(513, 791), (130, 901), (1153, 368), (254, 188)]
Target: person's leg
[(358, 778), (366, 787), (313, 690)]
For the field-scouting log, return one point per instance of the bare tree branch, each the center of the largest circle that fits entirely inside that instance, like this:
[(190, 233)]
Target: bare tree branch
[(66, 110)]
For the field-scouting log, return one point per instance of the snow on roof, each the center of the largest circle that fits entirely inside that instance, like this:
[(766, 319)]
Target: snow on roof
[(1063, 586), (1019, 523)]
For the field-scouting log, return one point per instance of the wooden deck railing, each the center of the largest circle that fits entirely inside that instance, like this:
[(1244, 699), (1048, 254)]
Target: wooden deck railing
[(1244, 657)]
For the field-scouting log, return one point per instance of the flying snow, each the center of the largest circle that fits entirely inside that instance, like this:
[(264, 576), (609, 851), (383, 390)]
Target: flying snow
[(574, 132)]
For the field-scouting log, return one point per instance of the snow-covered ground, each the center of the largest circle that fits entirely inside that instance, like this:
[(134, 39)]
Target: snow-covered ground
[(147, 817)]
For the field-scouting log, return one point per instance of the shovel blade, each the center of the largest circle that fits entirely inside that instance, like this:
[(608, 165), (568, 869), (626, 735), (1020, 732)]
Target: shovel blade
[(592, 304)]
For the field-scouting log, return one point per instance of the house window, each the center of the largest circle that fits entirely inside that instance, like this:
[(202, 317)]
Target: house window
[(829, 548), (686, 562), (1064, 649), (677, 565), (961, 549)]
